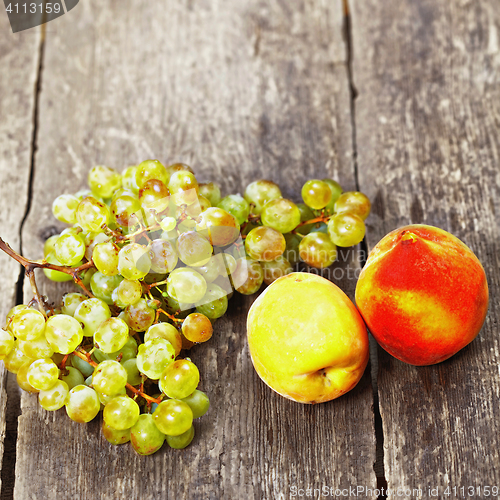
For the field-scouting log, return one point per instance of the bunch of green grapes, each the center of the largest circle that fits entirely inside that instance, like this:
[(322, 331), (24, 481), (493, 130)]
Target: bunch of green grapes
[(153, 255), (279, 233), (157, 256)]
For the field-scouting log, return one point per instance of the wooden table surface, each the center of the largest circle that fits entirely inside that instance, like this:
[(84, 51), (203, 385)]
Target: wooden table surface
[(397, 98)]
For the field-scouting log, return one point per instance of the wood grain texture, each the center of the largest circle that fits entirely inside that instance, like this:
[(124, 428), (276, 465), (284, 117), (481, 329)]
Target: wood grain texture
[(19, 65), (427, 119), (239, 90)]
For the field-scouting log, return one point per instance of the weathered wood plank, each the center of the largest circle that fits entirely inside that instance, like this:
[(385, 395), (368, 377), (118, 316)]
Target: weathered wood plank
[(19, 67), (427, 119), (239, 90)]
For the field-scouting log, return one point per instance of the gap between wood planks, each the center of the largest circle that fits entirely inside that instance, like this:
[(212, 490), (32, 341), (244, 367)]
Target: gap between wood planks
[(13, 411), (378, 466), (13, 394)]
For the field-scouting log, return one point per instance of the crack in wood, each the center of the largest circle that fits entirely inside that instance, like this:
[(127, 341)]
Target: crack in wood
[(378, 466), (13, 391)]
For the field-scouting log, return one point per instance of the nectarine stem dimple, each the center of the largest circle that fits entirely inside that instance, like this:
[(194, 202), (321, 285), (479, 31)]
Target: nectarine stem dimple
[(408, 237)]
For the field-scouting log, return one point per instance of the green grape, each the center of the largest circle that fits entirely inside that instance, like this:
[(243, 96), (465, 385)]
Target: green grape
[(179, 379), (126, 210), (198, 402), (178, 167), (129, 179), (27, 324), (172, 306), (173, 417), (320, 227), (56, 397), (224, 283), (63, 333), (128, 351), (133, 374), (139, 316), (87, 193), (264, 243), (228, 264), (258, 193), (103, 286), (168, 224), (214, 303), (82, 404), (22, 378), (121, 413), (71, 301), (109, 377), (317, 250), (122, 192), (82, 366), (203, 202), (275, 269), (72, 377), (13, 312), (291, 252), (92, 214), (219, 226), (69, 249), (150, 169), (197, 328), (104, 399), (134, 261), (165, 331), (182, 440), (145, 436), (346, 229), (56, 275), (163, 256), (248, 276), (211, 191), (64, 208), (336, 190), (88, 382), (91, 313), (7, 343), (212, 269), (15, 359), (355, 203), (186, 285), (154, 356), (111, 335), (281, 214), (43, 374), (193, 249), (154, 195), (115, 437), (92, 240), (48, 246), (127, 292), (105, 257), (100, 356), (237, 206), (36, 349), (183, 187), (104, 180), (316, 194)]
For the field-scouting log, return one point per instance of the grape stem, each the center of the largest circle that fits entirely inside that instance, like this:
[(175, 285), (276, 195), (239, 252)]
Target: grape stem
[(83, 354), (173, 318), (31, 265)]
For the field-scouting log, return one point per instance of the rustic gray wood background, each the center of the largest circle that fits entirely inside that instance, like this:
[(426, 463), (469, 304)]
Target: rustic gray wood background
[(398, 98)]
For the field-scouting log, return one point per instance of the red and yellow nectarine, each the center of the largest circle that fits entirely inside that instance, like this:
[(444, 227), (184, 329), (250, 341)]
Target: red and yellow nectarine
[(423, 294)]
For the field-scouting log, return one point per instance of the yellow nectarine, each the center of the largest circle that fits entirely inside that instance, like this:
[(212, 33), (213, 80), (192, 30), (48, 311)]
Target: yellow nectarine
[(307, 340)]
